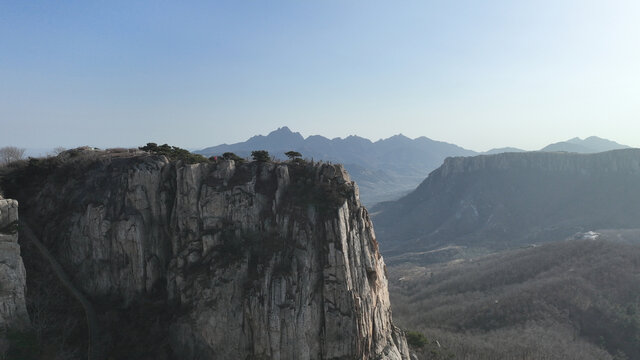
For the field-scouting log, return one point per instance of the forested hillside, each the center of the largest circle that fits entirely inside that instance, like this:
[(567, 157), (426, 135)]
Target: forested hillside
[(576, 299)]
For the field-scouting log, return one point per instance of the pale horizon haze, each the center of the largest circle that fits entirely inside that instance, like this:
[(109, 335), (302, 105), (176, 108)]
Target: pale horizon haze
[(480, 75)]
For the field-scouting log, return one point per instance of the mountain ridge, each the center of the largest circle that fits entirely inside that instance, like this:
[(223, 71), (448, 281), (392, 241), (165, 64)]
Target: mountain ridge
[(513, 199), (387, 167), (591, 144), (382, 168)]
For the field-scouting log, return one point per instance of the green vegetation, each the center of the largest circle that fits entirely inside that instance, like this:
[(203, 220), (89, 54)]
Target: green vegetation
[(260, 156), (174, 153), (232, 156), (42, 170), (292, 155), (416, 339), (306, 188)]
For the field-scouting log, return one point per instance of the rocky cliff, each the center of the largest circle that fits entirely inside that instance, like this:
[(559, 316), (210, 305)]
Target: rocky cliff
[(514, 199), (13, 311), (245, 261)]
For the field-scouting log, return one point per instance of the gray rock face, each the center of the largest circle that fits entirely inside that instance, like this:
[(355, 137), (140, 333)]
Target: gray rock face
[(13, 311), (263, 261)]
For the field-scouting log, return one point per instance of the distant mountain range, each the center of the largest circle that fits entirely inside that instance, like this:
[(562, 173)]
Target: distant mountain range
[(589, 145), (592, 144), (507, 200), (385, 169), (502, 150)]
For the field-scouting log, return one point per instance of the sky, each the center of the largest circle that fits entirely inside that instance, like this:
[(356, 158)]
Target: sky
[(480, 74)]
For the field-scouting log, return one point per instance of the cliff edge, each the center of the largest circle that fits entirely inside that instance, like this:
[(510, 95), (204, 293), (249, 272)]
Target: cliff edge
[(13, 310), (243, 261)]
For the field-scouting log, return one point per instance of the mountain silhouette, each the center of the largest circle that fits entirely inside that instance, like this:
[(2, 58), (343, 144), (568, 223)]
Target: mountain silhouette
[(384, 169)]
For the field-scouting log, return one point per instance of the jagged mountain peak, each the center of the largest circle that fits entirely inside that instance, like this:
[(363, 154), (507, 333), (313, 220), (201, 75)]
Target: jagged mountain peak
[(398, 138), (284, 131), (282, 134)]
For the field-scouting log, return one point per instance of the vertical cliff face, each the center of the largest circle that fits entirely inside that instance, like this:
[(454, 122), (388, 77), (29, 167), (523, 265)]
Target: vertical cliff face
[(13, 311), (259, 260)]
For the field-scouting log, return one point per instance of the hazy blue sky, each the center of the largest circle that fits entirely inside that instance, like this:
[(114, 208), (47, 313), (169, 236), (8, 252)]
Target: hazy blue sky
[(480, 74)]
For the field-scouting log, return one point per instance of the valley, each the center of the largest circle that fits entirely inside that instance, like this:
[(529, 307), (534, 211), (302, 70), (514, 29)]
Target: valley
[(519, 255), (572, 299)]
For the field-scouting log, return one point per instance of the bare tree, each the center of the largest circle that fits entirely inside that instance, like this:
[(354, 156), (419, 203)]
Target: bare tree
[(10, 153), (56, 151)]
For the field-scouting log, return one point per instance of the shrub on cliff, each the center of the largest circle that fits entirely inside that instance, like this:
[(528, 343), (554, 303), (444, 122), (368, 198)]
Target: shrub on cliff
[(308, 189), (292, 155), (232, 156), (260, 156), (174, 153)]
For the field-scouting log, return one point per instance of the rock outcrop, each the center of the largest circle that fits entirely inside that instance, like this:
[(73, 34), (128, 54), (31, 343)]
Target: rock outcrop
[(256, 261), (13, 309)]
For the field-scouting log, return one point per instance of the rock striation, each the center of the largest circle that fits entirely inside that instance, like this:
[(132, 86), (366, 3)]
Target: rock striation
[(13, 310), (256, 261)]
